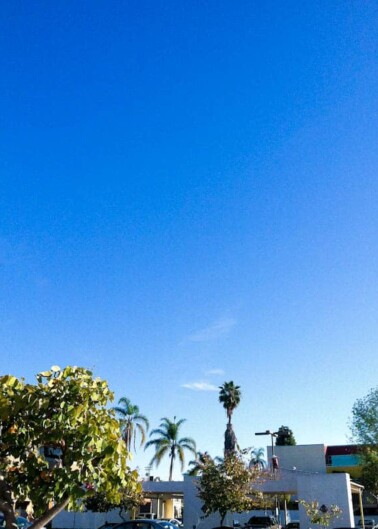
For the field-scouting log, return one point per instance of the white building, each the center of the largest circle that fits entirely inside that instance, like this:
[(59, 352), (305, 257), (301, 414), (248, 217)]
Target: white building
[(302, 474)]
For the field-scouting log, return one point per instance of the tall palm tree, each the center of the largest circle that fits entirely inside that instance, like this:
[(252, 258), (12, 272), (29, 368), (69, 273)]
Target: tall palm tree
[(257, 459), (229, 396), (131, 422), (169, 443)]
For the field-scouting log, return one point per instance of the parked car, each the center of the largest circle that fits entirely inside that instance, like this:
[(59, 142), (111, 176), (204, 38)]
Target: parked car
[(166, 524), (173, 521), (22, 523), (293, 525), (145, 523), (370, 523), (108, 525), (263, 522)]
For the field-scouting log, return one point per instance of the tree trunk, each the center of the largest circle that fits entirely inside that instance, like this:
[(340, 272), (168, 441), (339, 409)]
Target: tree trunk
[(230, 441), (49, 515), (173, 455), (171, 468), (223, 516), (7, 505)]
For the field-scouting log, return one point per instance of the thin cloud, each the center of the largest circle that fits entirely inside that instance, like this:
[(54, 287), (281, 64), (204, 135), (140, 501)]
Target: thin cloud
[(200, 386), (215, 372), (213, 331)]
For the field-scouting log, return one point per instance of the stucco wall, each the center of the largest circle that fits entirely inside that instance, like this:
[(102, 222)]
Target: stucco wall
[(327, 489), (310, 458)]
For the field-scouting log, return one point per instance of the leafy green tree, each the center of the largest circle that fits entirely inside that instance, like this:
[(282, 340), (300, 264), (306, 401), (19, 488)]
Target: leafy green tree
[(128, 502), (285, 437), (369, 470), (364, 423), (257, 458), (60, 443), (320, 515), (364, 428), (228, 486), (229, 396), (169, 443), (131, 421)]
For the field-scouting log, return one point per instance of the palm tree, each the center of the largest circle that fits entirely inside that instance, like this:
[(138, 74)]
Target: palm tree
[(169, 443), (229, 396), (199, 463), (131, 422), (257, 459)]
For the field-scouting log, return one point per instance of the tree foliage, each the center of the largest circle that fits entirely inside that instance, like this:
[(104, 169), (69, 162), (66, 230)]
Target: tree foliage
[(199, 463), (169, 443), (320, 514), (229, 396), (228, 486), (364, 423), (285, 437), (257, 458), (364, 428), (129, 501), (59, 443), (369, 470)]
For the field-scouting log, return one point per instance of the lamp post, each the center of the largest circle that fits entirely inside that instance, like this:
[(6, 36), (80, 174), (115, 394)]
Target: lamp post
[(272, 435)]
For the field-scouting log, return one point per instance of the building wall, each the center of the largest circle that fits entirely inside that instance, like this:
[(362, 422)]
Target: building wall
[(310, 458), (309, 481), (327, 489)]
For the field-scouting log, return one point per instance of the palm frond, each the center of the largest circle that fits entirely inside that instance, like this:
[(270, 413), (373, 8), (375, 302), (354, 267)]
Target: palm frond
[(158, 456)]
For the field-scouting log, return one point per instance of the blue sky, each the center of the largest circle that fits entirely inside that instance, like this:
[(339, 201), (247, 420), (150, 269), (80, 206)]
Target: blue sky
[(188, 196)]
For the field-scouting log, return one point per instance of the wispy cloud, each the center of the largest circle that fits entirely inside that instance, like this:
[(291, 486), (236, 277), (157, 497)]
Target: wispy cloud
[(215, 330), (215, 372), (200, 386)]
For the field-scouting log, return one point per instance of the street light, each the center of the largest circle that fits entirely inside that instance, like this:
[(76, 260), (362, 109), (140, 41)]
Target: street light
[(272, 435)]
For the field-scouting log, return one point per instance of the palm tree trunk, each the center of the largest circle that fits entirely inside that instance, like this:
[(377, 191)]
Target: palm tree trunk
[(171, 464)]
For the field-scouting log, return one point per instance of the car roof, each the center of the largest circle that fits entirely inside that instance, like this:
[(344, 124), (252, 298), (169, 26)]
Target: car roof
[(139, 520)]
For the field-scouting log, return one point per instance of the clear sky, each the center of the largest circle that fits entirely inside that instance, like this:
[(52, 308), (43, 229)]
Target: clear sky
[(189, 196)]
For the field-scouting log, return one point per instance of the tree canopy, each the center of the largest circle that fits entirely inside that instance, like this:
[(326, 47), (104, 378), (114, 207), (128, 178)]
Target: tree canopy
[(364, 427), (228, 486), (169, 443), (364, 423), (320, 514), (257, 458), (59, 443), (229, 396), (132, 422), (285, 437)]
